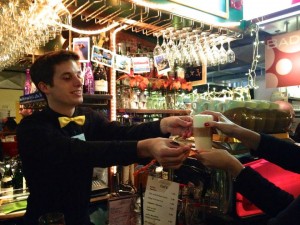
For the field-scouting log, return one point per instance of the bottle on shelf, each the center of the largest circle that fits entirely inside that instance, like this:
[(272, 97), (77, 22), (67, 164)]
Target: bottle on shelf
[(119, 50), (128, 51), (89, 85), (139, 48), (18, 179), (27, 85), (6, 181), (180, 217), (100, 79), (181, 220)]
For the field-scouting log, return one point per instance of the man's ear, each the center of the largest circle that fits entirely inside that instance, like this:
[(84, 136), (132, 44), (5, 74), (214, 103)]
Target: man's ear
[(43, 87)]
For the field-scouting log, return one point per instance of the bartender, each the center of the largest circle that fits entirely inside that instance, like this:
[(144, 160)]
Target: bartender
[(60, 145)]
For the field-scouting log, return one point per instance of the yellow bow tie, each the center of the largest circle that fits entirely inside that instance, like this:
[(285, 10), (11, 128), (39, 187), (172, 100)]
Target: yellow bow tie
[(63, 121)]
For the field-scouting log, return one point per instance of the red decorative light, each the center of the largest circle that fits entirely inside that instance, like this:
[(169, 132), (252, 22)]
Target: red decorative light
[(236, 4)]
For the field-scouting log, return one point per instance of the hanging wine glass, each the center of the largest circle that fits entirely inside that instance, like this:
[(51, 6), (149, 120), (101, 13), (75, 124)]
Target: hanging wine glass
[(157, 49), (222, 52), (193, 51), (214, 49), (186, 57), (199, 48), (176, 47), (230, 54), (206, 49), (170, 46), (180, 47), (164, 43)]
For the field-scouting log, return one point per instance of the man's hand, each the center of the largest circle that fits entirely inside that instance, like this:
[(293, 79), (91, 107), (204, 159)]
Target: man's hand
[(177, 125), (167, 153)]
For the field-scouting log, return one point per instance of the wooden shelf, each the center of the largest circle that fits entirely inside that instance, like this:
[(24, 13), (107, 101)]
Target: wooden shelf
[(293, 99), (19, 214), (36, 100), (154, 111), (96, 97)]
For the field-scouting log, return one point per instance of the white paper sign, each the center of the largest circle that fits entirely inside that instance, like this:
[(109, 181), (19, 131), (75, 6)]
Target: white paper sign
[(160, 205), (141, 64)]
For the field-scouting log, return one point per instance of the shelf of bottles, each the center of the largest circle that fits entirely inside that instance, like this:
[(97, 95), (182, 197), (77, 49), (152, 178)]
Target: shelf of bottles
[(96, 100), (137, 104), (37, 101), (135, 116), (13, 186), (155, 111), (95, 89)]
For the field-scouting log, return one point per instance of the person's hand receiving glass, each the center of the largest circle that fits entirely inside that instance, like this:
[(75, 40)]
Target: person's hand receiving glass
[(220, 159), (221, 123)]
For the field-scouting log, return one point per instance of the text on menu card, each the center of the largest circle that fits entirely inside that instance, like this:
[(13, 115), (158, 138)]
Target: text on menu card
[(160, 205)]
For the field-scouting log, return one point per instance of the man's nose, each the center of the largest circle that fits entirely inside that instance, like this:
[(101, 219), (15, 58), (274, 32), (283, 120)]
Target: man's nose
[(79, 80)]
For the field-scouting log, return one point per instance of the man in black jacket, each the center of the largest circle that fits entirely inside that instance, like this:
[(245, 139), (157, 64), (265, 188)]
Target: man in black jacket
[(60, 145)]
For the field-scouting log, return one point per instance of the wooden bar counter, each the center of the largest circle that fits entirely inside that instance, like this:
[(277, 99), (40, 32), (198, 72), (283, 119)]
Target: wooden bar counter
[(19, 214)]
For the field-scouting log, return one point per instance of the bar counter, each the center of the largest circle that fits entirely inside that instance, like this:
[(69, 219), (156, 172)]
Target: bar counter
[(19, 214)]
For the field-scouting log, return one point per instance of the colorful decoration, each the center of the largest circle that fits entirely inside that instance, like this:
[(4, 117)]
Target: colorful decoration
[(282, 56), (166, 83)]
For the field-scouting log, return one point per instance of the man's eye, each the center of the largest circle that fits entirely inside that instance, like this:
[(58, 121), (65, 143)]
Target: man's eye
[(66, 77)]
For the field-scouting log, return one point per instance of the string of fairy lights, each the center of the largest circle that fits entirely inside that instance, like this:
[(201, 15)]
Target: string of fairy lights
[(254, 31)]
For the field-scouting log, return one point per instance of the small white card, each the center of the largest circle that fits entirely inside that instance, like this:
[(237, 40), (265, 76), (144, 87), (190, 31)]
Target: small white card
[(80, 136), (160, 204)]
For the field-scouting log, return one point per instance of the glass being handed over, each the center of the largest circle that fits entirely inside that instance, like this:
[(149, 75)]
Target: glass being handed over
[(202, 134)]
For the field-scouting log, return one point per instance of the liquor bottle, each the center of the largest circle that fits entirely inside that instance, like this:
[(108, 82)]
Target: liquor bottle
[(27, 85), (139, 48), (179, 70), (180, 219), (119, 50), (6, 181), (100, 79), (152, 67), (89, 85), (128, 51), (18, 177)]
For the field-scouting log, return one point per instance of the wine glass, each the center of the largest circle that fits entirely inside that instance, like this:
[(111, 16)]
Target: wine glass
[(230, 54), (171, 46), (214, 49), (206, 49), (222, 53), (164, 43), (157, 49)]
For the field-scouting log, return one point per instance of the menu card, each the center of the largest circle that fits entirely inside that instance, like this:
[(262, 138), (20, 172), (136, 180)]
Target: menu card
[(160, 204), (121, 210)]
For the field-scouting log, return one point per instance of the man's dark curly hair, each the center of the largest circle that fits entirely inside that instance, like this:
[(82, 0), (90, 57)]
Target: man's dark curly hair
[(42, 70)]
